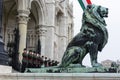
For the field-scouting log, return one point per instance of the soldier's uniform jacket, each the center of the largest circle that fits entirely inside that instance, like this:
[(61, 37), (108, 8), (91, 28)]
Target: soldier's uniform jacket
[(34, 58), (30, 58), (25, 57)]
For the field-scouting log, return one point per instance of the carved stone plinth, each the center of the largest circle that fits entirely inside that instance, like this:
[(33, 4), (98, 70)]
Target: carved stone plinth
[(72, 70), (3, 54)]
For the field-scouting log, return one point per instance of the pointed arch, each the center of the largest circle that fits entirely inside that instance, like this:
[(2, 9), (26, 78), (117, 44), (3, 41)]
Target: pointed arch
[(41, 10)]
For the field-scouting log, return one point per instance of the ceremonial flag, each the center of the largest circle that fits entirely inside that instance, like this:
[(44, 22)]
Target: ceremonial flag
[(84, 3)]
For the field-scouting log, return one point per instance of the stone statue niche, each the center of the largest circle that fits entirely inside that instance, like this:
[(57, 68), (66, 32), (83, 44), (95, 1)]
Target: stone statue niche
[(92, 38)]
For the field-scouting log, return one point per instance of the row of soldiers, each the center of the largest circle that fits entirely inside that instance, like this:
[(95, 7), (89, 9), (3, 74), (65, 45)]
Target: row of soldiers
[(35, 60)]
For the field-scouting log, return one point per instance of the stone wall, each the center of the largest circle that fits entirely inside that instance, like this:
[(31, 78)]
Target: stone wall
[(47, 20), (60, 76)]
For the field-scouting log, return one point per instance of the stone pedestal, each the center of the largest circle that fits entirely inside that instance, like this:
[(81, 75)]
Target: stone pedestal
[(60, 76), (5, 69), (3, 54), (72, 69)]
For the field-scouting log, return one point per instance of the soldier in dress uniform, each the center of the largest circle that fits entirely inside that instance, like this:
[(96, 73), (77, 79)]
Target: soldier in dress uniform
[(49, 62), (34, 59), (39, 61), (30, 59), (42, 62), (46, 62), (24, 60), (53, 62), (56, 63)]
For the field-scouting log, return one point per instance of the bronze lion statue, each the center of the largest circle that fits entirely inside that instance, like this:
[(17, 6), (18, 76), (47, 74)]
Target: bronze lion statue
[(92, 38)]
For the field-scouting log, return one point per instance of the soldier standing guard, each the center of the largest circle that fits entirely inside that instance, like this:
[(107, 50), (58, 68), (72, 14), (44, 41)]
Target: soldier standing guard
[(24, 60), (56, 63), (42, 62), (46, 62), (34, 60), (37, 61), (30, 59), (49, 62)]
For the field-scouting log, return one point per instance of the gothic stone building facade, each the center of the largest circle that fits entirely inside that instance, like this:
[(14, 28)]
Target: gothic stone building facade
[(51, 21)]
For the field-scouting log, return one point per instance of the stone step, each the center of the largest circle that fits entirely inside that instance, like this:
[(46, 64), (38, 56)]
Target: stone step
[(60, 76), (5, 69)]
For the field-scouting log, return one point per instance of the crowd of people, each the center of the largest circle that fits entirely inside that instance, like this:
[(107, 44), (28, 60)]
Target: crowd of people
[(32, 59)]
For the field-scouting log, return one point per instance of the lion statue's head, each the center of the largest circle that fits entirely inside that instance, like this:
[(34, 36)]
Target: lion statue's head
[(98, 10), (95, 14), (103, 12)]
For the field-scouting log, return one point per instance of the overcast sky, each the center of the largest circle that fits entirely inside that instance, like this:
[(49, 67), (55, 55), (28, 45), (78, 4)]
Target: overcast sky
[(112, 49)]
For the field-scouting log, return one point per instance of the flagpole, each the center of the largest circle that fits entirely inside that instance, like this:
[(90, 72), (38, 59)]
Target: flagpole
[(3, 54)]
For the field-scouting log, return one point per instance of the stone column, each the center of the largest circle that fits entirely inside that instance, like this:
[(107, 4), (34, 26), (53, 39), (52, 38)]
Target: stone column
[(22, 24), (50, 4), (63, 31), (42, 32)]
